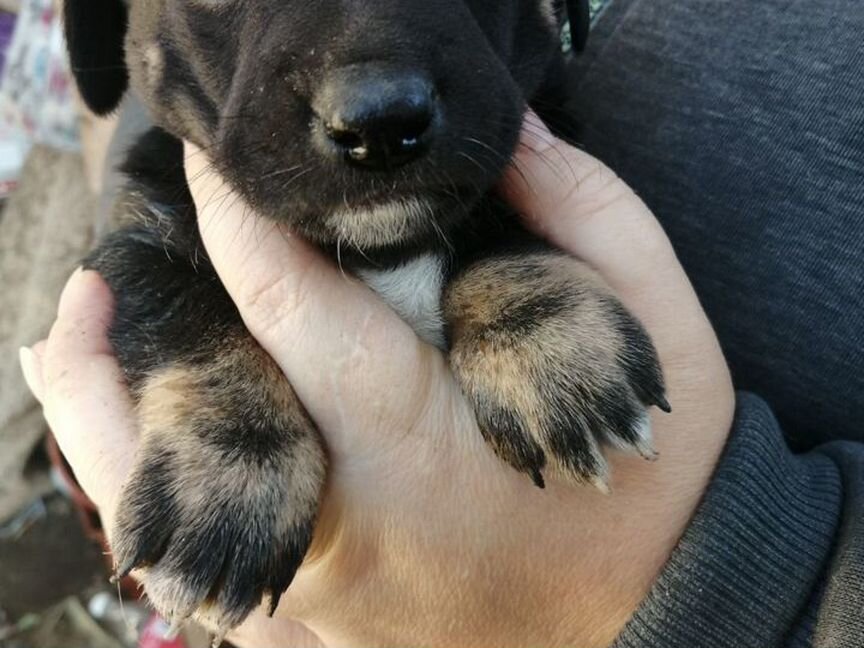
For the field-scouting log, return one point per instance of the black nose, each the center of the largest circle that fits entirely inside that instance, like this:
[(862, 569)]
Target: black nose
[(378, 118)]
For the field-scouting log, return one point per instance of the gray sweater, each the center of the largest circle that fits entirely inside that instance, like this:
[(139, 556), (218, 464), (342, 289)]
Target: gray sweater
[(741, 124)]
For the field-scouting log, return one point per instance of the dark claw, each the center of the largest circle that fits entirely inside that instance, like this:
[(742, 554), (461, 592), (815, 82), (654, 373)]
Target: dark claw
[(537, 478), (663, 404), (288, 565), (274, 603)]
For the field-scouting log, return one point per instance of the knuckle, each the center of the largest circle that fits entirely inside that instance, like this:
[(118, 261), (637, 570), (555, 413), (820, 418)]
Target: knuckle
[(271, 302), (598, 189)]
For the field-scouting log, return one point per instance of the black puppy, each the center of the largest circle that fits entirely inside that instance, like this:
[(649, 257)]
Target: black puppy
[(375, 128)]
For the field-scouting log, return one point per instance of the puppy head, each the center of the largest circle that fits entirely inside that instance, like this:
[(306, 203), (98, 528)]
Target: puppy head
[(374, 123)]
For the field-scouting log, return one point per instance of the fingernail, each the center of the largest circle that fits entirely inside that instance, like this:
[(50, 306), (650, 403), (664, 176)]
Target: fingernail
[(535, 132), (76, 293), (31, 367), (67, 289)]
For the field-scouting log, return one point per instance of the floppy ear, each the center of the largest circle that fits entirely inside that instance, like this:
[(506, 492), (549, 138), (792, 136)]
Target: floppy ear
[(95, 33), (579, 15)]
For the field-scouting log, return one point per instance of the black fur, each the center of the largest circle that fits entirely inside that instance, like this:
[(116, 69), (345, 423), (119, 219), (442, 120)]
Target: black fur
[(504, 429), (522, 319), (247, 95), (642, 368), (158, 269)]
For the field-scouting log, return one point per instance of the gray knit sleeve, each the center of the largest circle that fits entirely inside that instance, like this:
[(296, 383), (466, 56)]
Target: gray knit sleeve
[(774, 555)]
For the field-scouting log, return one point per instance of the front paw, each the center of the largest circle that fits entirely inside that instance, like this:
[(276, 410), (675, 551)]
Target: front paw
[(220, 509), (553, 364)]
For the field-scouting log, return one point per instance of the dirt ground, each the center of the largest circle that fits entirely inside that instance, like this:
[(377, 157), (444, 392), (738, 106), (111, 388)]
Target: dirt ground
[(47, 560), (44, 560)]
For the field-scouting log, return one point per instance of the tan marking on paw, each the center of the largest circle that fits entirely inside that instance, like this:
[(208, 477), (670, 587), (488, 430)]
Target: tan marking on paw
[(204, 416), (539, 336)]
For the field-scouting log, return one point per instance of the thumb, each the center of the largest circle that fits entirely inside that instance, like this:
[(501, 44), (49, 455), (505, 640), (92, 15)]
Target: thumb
[(579, 204), (352, 361), (83, 391), (576, 202)]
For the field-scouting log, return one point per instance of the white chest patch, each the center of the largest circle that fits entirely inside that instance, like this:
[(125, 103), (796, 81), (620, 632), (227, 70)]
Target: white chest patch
[(413, 290)]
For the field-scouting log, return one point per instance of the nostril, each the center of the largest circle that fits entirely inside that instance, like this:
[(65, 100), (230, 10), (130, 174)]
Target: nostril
[(385, 139), (345, 139), (351, 143), (377, 117), (414, 128)]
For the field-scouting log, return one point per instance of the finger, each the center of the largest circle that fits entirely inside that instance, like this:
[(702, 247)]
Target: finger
[(31, 367), (38, 350), (85, 397), (334, 339), (578, 203)]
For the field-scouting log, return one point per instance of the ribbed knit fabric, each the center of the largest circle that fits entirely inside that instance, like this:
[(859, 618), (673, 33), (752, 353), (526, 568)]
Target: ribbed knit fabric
[(748, 572), (841, 613)]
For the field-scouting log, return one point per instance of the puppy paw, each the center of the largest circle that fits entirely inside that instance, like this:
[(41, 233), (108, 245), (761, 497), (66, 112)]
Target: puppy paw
[(553, 364), (220, 509)]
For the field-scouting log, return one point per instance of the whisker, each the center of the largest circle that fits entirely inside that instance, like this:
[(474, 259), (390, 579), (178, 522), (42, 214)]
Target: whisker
[(297, 177), (280, 172), (339, 255), (508, 162)]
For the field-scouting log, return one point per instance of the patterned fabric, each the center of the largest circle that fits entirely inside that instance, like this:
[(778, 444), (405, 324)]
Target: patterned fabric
[(36, 91), (7, 26)]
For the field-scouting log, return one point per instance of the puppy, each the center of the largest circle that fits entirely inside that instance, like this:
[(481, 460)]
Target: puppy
[(376, 129)]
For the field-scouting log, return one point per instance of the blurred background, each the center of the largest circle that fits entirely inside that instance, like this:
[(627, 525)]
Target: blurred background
[(54, 590)]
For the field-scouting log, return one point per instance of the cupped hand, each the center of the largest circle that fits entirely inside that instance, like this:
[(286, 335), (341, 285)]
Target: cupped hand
[(424, 537)]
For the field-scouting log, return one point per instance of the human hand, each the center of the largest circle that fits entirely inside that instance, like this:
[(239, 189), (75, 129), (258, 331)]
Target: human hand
[(424, 536)]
